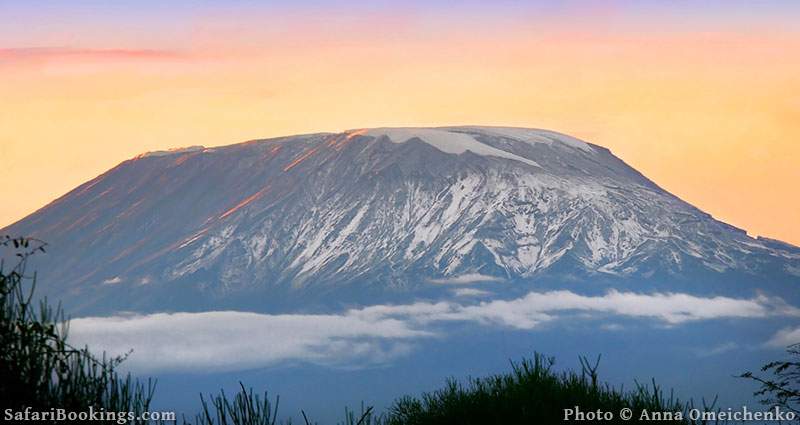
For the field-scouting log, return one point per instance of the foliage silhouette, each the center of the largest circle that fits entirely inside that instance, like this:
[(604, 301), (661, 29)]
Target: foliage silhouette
[(782, 389), (38, 368)]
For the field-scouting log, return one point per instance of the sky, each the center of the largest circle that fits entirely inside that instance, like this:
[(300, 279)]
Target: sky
[(702, 97)]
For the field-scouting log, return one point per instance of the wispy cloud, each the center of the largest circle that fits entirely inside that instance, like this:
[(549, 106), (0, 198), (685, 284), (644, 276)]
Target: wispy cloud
[(717, 350), (470, 292), (52, 52), (378, 333), (538, 307), (73, 61), (466, 279), (785, 337)]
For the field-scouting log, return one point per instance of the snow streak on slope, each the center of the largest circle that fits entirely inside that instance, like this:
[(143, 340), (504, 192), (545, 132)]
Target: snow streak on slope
[(388, 209)]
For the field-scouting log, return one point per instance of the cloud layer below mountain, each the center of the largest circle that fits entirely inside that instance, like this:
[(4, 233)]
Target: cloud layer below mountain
[(231, 340)]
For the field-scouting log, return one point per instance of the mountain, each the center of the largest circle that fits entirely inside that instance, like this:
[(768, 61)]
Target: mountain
[(383, 212)]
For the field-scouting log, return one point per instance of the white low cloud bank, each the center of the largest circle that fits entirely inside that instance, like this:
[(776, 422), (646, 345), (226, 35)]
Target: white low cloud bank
[(226, 340), (221, 340)]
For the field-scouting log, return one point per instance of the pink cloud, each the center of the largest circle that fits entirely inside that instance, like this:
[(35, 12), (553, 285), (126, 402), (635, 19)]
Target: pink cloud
[(38, 54)]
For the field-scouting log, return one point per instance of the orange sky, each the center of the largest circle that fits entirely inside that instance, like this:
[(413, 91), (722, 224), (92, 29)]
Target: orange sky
[(712, 116)]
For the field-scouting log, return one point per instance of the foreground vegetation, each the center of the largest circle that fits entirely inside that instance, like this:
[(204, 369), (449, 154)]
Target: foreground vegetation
[(40, 370), (531, 393)]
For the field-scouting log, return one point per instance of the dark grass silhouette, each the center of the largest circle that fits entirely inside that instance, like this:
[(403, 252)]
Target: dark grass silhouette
[(531, 393), (245, 408), (38, 368)]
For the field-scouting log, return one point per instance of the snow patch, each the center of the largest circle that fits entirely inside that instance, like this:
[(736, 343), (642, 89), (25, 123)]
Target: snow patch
[(113, 281), (172, 151), (531, 135), (446, 141)]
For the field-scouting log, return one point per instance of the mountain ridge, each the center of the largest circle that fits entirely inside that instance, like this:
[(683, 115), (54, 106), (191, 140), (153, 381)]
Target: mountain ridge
[(386, 208)]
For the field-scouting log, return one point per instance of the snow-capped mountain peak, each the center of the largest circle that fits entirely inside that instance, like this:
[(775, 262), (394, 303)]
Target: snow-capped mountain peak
[(384, 208)]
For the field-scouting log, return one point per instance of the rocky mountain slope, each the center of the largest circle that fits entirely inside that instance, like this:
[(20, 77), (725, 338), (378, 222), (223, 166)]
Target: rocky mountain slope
[(390, 209)]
